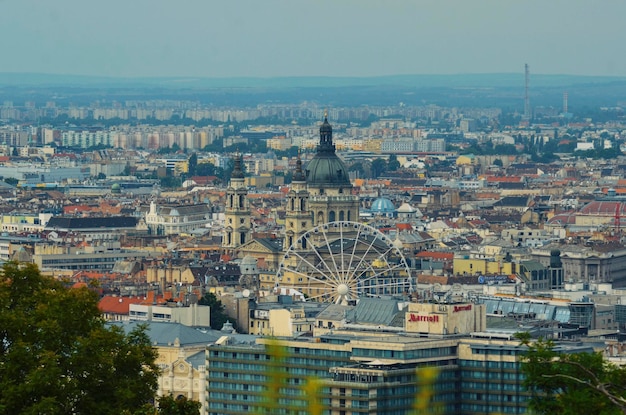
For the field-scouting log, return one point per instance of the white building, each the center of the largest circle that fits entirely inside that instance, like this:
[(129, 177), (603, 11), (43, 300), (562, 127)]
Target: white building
[(193, 315)]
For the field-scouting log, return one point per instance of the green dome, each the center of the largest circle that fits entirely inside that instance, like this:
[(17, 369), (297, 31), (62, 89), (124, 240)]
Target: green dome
[(326, 169)]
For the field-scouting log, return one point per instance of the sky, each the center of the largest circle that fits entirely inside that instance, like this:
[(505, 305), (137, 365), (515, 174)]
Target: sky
[(283, 38)]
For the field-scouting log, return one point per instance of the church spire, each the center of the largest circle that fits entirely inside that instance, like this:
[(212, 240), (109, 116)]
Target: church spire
[(237, 170), (298, 175), (326, 136)]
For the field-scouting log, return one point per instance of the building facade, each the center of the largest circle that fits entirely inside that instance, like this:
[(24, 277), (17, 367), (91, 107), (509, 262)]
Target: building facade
[(356, 372)]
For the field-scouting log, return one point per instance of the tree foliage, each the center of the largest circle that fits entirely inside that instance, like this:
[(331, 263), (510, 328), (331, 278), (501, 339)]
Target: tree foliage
[(218, 315), (168, 405), (357, 167), (11, 180), (379, 166), (393, 164), (208, 169), (57, 355), (571, 383), (192, 164)]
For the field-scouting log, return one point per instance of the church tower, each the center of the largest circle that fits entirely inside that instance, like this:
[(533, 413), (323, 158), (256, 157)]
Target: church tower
[(237, 214), (298, 217), (328, 183)]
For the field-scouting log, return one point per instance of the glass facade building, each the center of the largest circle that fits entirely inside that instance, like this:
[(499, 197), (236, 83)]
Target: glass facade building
[(373, 375)]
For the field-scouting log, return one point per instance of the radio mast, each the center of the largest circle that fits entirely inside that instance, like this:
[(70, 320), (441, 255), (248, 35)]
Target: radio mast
[(526, 97)]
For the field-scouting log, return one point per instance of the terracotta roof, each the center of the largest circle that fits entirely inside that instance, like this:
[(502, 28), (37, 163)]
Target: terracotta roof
[(508, 179), (76, 208), (118, 305), (604, 208), (441, 256)]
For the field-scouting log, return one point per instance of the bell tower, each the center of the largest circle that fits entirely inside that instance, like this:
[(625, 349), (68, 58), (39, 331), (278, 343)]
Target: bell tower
[(298, 218), (237, 214)]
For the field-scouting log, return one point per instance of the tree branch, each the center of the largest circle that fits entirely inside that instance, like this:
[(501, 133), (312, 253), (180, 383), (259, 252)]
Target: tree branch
[(619, 401)]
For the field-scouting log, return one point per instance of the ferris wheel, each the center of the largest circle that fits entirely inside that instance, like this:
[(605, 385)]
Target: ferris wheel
[(343, 261)]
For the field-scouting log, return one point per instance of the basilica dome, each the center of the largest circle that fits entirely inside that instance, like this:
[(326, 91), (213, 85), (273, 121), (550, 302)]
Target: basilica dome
[(326, 169)]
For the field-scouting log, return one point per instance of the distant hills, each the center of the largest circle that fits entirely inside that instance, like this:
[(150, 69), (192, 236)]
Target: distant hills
[(495, 80), (504, 90)]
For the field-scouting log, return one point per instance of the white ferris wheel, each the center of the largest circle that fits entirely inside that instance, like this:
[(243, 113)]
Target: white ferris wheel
[(343, 261)]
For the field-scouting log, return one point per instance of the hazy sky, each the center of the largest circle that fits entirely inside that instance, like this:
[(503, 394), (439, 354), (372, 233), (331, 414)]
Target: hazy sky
[(265, 38)]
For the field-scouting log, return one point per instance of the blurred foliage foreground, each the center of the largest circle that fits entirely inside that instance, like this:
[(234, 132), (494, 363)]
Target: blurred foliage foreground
[(313, 387), (58, 356)]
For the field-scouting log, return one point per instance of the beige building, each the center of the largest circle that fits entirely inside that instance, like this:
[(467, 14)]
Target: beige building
[(176, 220), (167, 275), (193, 315), (284, 319), (442, 319), (181, 358)]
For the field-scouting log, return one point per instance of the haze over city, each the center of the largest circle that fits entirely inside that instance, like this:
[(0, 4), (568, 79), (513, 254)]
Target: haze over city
[(278, 38), (327, 207)]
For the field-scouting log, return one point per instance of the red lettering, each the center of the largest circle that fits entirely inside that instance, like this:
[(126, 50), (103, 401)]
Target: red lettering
[(418, 318), (458, 308)]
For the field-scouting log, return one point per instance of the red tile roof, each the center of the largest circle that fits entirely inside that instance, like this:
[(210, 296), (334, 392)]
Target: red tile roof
[(441, 256), (118, 305), (504, 179)]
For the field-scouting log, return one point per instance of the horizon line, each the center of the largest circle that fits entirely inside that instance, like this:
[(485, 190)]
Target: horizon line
[(261, 77)]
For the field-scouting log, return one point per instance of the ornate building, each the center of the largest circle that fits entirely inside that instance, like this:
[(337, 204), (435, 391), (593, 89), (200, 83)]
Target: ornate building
[(237, 217), (328, 183), (175, 220), (298, 218), (320, 193)]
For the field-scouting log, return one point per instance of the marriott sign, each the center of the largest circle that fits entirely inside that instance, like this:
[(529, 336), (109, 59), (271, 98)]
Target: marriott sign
[(430, 319)]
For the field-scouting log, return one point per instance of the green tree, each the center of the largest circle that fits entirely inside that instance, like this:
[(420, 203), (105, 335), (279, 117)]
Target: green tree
[(357, 167), (127, 170), (192, 164), (218, 315), (209, 169), (58, 356), (393, 164), (571, 383), (179, 406), (11, 180), (170, 182), (379, 166)]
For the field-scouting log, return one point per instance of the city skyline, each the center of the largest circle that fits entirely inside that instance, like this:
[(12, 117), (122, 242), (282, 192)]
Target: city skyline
[(277, 38)]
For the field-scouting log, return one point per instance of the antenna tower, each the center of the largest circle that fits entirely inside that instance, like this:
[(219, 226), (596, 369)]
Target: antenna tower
[(526, 97)]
